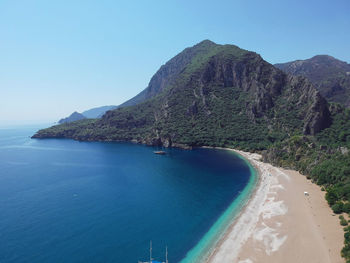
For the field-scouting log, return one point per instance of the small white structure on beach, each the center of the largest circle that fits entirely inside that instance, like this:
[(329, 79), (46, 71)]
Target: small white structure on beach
[(306, 193)]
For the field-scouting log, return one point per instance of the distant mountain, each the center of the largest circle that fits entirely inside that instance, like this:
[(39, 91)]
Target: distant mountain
[(97, 112), (75, 116), (88, 114), (330, 76), (211, 94)]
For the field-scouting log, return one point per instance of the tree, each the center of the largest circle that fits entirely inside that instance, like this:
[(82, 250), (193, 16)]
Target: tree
[(338, 207)]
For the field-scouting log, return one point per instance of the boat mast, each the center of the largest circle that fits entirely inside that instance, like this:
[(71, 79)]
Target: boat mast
[(150, 251), (166, 254)]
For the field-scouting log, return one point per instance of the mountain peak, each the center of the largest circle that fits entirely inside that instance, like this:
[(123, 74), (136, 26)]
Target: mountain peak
[(323, 57), (166, 73), (206, 42), (327, 60), (215, 95)]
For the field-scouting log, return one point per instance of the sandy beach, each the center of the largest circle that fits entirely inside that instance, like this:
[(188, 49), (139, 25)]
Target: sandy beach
[(282, 224)]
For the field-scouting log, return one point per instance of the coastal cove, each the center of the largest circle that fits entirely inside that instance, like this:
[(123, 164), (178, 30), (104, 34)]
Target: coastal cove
[(221, 95), (175, 132), (104, 201)]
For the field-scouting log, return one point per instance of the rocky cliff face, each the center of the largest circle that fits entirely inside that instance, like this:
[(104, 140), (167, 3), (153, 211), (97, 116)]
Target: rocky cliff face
[(329, 75), (217, 95)]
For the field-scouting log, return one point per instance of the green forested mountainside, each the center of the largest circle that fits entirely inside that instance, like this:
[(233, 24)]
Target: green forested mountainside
[(325, 159), (223, 96), (329, 75), (306, 153)]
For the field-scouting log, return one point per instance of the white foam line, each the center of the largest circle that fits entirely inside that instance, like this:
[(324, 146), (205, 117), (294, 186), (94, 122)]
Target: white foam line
[(270, 237)]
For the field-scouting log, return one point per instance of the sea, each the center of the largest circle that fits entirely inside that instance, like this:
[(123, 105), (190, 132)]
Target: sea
[(68, 201)]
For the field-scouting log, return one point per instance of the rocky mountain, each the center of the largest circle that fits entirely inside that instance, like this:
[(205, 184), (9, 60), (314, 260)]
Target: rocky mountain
[(75, 116), (211, 94), (168, 72), (329, 75)]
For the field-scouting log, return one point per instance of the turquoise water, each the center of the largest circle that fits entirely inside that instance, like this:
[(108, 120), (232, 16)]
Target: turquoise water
[(205, 246), (69, 201)]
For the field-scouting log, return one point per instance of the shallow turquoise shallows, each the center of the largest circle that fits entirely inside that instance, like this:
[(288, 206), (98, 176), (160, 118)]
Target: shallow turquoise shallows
[(68, 201)]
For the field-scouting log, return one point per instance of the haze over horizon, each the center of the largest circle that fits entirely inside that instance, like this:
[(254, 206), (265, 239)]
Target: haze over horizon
[(60, 57)]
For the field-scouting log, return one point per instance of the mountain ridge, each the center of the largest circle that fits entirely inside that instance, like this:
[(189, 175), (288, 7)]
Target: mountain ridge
[(329, 75), (164, 74), (196, 89)]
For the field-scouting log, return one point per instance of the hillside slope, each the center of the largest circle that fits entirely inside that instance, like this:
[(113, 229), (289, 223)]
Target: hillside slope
[(97, 112), (75, 116), (329, 75), (170, 71), (211, 95)]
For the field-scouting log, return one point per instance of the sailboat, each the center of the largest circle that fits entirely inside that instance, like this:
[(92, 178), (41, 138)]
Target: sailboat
[(151, 260)]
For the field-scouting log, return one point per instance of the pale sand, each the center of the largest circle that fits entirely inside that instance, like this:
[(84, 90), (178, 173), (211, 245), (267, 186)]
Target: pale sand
[(281, 224)]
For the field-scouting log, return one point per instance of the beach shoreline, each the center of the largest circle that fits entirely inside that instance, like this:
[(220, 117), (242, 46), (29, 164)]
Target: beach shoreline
[(279, 223), (207, 244), (245, 206)]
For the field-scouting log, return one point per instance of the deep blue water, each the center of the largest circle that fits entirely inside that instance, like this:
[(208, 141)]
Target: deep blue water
[(68, 201)]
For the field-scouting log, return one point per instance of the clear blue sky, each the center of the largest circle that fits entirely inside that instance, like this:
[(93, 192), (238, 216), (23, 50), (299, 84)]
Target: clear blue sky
[(60, 56)]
